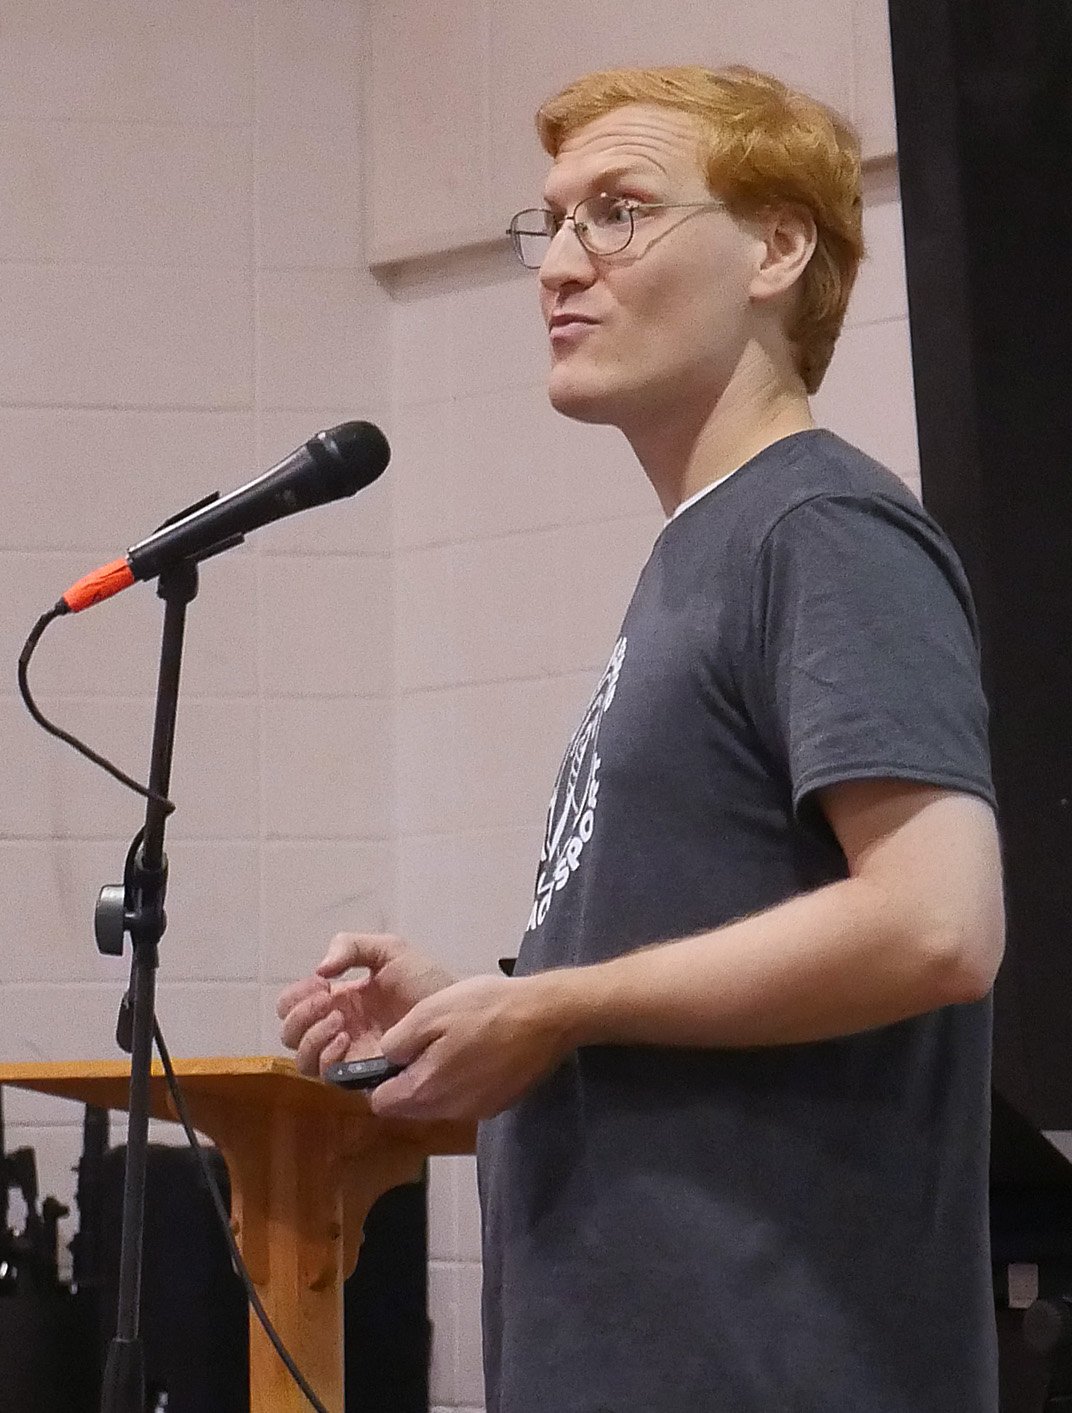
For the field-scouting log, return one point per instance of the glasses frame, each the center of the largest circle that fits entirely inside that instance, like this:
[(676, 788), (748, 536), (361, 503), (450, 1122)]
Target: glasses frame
[(634, 208)]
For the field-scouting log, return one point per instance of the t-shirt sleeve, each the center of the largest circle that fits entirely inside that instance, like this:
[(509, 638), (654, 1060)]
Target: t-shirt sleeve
[(864, 658)]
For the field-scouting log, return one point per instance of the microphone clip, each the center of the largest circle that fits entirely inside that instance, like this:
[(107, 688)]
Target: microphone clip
[(190, 510), (135, 906), (207, 553)]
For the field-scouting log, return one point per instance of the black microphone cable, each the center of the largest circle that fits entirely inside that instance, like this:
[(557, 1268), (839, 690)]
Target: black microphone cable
[(174, 1088), (29, 647)]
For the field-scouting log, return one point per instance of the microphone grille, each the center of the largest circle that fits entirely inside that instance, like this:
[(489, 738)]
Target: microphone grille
[(355, 454)]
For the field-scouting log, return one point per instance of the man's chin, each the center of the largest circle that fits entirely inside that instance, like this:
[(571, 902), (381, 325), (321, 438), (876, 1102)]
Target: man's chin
[(572, 398)]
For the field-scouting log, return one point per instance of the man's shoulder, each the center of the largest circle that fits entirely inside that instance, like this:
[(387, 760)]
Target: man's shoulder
[(809, 469), (820, 463), (787, 474), (808, 483)]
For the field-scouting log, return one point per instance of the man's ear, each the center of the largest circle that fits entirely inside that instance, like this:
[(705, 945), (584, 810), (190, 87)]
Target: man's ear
[(786, 242)]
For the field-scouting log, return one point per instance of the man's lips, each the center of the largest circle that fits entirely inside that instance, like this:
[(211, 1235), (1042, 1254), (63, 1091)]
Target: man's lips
[(565, 328), (559, 321)]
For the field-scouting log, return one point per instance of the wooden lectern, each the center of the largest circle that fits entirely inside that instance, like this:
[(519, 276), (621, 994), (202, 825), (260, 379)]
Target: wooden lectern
[(306, 1162)]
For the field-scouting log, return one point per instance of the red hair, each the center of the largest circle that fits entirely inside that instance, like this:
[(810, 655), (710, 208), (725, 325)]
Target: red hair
[(763, 144)]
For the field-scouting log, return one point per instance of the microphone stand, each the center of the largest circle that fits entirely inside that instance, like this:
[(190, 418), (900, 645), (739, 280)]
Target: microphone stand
[(137, 907)]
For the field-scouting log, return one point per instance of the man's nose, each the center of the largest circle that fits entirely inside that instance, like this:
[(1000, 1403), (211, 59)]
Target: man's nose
[(567, 261)]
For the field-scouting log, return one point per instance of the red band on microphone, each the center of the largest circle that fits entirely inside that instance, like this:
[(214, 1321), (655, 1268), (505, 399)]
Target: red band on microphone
[(101, 584)]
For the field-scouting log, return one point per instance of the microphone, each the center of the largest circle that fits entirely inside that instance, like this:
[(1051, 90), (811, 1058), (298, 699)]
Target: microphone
[(335, 463)]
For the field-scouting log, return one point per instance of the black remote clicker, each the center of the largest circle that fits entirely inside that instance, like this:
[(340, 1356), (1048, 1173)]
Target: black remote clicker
[(362, 1074)]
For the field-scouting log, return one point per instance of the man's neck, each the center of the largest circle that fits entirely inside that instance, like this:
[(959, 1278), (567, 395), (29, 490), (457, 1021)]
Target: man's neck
[(682, 459)]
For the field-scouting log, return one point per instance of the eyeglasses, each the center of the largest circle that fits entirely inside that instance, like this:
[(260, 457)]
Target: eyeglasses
[(603, 224)]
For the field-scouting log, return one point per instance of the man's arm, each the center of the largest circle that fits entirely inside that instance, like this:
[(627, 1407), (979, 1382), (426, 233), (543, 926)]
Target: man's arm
[(918, 924)]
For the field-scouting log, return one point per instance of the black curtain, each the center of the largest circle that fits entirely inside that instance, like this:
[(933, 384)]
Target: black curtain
[(984, 124)]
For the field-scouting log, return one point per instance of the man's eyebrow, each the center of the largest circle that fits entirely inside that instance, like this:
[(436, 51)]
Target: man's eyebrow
[(603, 178)]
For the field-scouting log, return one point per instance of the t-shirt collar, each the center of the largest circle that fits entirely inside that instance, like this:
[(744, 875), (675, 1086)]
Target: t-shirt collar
[(703, 491)]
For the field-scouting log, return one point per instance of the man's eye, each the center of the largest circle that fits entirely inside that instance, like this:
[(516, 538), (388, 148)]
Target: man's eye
[(615, 210)]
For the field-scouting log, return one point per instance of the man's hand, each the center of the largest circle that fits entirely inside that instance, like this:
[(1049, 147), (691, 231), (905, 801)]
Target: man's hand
[(472, 1050), (326, 1020)]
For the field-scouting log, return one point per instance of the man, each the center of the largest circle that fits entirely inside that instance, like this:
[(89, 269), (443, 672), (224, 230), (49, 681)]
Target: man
[(735, 1094)]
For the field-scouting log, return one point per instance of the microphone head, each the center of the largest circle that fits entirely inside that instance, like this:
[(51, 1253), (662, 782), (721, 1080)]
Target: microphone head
[(353, 455)]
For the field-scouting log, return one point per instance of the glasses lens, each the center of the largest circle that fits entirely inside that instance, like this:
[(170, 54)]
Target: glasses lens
[(531, 232), (604, 224)]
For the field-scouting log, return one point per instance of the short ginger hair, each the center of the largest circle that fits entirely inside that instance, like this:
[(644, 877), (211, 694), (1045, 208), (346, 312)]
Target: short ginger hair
[(762, 144)]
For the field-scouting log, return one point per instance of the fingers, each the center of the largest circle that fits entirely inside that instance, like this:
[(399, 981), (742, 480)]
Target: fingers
[(407, 1038), (358, 949), (400, 1097), (316, 1039), (297, 992), (391, 1099), (427, 1089), (307, 1012), (319, 1019), (334, 1050)]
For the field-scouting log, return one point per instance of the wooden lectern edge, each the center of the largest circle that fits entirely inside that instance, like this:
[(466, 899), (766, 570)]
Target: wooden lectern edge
[(275, 1080)]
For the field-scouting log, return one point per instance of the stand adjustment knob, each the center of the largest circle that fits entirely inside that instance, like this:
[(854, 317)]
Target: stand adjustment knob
[(1047, 1325), (110, 919)]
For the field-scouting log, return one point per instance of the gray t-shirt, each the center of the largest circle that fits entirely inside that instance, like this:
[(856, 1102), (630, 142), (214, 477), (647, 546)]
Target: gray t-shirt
[(793, 1229)]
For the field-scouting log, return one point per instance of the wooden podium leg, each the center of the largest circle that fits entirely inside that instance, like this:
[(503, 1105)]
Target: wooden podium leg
[(286, 1204), (302, 1185), (303, 1292)]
